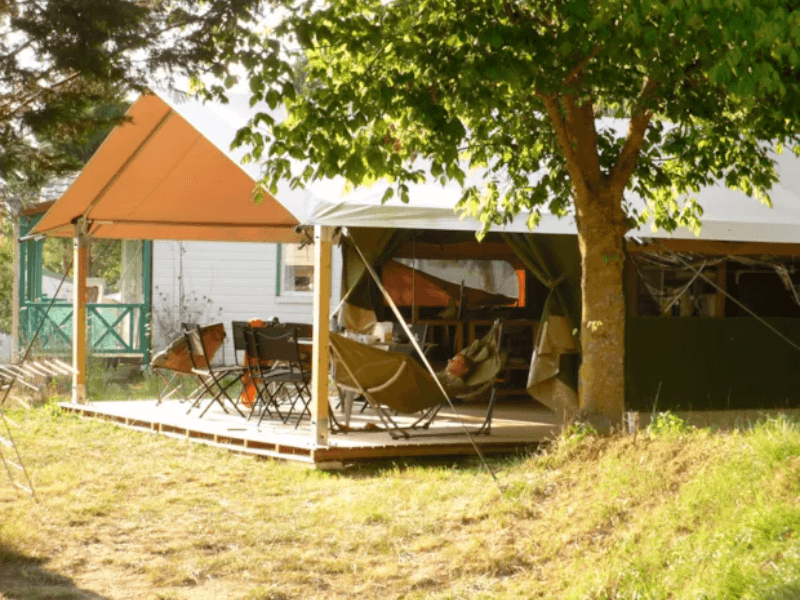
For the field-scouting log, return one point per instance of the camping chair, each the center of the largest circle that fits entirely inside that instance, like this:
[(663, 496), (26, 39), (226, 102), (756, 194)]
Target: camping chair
[(396, 382), (216, 381), (239, 344), (173, 362), (402, 345), (259, 374), (279, 348), (250, 392)]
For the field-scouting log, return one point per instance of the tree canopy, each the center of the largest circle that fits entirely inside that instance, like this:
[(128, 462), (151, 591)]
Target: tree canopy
[(565, 105), (61, 59), (708, 88)]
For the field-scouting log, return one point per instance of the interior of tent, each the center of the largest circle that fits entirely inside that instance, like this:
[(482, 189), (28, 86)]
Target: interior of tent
[(711, 325), (457, 287)]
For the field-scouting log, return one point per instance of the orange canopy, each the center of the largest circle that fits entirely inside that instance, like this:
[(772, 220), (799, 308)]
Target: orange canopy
[(156, 177)]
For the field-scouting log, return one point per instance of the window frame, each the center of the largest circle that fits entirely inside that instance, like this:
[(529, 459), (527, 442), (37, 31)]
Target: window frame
[(280, 292)]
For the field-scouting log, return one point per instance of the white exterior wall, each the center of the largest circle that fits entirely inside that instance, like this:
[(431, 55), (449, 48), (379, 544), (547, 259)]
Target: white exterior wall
[(222, 282), (5, 348)]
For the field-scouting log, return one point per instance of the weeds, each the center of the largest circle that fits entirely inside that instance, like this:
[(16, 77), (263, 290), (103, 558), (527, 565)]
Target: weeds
[(668, 425)]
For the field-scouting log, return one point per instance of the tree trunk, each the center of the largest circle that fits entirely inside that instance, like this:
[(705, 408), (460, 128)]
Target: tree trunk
[(602, 373)]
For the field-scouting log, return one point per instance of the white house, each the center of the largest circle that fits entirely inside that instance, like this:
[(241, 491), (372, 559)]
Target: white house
[(208, 282)]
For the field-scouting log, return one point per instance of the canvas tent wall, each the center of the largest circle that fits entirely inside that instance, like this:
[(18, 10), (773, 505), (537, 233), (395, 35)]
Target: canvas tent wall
[(713, 326)]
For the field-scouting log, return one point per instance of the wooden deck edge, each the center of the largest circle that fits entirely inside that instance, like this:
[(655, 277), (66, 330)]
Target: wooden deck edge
[(391, 452), (323, 457), (225, 442)]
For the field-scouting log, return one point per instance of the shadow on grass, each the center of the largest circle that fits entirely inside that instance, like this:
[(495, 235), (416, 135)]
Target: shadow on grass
[(24, 578), (786, 591)]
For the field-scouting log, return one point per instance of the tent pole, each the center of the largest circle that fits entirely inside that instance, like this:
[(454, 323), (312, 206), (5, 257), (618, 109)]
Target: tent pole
[(323, 238), (80, 260)]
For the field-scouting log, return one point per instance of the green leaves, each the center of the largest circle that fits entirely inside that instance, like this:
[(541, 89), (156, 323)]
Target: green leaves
[(460, 86), (61, 59)]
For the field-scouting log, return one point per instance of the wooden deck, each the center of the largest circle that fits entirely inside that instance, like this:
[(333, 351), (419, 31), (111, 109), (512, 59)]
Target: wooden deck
[(516, 426)]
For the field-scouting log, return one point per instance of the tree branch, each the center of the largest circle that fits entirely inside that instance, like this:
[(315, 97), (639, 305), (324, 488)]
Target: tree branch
[(563, 137), (40, 92), (583, 133), (626, 161), (577, 69)]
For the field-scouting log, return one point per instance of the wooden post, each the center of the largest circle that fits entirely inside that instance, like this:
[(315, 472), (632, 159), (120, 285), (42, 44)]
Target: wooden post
[(319, 358), (81, 263)]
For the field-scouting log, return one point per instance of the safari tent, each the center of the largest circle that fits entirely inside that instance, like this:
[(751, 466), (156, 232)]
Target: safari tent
[(170, 174)]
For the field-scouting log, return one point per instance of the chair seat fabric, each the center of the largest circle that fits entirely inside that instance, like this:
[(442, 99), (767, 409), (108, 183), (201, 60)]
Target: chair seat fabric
[(401, 383)]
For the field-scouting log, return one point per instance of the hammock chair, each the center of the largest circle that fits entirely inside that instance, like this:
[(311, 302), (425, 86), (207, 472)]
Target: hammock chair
[(392, 382)]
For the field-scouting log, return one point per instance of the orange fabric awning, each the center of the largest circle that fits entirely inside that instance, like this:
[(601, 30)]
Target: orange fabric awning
[(156, 177)]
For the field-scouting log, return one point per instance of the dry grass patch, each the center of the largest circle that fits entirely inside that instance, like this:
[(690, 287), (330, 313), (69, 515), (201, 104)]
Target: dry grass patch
[(131, 515)]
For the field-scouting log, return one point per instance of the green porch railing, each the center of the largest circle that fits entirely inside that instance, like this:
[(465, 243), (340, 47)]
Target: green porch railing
[(113, 330)]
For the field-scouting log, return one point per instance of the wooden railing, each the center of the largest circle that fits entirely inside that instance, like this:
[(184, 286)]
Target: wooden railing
[(114, 330)]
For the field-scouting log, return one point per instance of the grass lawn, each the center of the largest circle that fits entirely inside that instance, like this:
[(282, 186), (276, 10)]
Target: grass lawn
[(671, 514)]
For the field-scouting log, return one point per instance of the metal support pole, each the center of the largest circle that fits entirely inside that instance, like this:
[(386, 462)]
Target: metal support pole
[(323, 237), (81, 262)]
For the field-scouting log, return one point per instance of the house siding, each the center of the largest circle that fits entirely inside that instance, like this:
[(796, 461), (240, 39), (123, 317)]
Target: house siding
[(222, 282)]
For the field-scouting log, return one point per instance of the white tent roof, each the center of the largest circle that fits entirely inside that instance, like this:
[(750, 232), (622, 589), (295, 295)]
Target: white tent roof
[(728, 215)]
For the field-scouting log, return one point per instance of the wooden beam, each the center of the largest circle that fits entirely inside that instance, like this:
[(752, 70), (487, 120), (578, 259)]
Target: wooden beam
[(81, 263), (718, 248), (323, 237)]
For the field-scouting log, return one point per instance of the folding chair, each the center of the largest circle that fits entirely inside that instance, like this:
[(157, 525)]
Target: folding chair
[(420, 332), (304, 330), (173, 363), (239, 344), (280, 349), (216, 381), (259, 374)]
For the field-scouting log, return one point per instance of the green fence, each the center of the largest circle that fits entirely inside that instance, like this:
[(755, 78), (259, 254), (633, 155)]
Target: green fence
[(113, 330)]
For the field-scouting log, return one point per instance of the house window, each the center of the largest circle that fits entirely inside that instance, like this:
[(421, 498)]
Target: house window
[(295, 269)]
